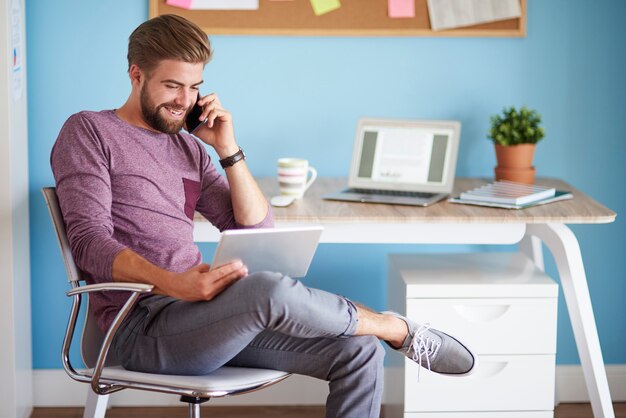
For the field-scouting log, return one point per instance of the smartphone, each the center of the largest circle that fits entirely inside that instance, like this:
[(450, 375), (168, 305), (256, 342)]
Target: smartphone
[(193, 122)]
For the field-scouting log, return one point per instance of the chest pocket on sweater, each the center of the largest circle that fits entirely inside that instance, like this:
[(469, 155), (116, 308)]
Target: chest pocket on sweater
[(192, 192)]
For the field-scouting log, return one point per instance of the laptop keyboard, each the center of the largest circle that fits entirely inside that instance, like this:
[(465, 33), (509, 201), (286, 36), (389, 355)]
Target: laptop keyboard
[(424, 195)]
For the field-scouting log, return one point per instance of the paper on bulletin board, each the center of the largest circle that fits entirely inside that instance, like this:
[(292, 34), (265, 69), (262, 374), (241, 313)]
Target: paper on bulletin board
[(215, 4), (401, 8), (321, 7), (448, 14)]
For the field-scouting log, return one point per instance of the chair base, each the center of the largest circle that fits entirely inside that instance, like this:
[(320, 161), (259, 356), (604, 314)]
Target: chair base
[(193, 399), (194, 404), (96, 405)]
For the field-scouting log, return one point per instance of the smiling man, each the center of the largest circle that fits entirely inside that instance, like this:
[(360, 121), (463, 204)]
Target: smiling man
[(129, 181)]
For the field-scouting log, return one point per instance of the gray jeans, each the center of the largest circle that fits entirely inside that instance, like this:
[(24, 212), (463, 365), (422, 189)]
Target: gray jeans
[(264, 320)]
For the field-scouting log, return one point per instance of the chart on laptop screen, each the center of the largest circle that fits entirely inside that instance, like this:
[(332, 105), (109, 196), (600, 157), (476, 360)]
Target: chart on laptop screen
[(403, 155)]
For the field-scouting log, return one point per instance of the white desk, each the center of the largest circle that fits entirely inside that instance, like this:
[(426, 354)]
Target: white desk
[(446, 223)]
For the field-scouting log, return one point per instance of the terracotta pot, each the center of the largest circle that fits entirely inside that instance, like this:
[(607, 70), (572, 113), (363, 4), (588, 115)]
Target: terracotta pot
[(515, 163), (518, 175), (515, 156)]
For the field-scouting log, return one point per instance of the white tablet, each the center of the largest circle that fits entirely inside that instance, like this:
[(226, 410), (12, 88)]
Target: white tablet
[(283, 250)]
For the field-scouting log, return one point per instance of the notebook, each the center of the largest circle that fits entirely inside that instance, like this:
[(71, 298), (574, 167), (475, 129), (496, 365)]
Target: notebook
[(284, 250), (402, 162), (558, 196), (508, 192)]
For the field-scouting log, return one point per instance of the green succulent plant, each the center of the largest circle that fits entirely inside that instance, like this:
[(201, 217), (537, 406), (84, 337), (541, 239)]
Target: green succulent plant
[(515, 127)]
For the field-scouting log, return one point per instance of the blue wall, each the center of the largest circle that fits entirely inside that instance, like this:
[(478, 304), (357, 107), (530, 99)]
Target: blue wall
[(302, 96)]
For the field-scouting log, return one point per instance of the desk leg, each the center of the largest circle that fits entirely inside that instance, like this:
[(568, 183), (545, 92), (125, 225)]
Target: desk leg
[(531, 246), (564, 247)]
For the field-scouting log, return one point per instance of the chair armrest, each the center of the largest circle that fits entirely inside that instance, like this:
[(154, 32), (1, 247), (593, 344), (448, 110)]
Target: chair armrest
[(129, 287), (135, 289)]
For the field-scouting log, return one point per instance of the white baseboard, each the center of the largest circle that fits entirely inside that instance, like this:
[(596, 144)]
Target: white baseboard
[(53, 387), (570, 383)]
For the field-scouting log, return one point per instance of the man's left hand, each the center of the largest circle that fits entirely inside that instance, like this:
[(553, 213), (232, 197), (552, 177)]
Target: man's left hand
[(218, 130)]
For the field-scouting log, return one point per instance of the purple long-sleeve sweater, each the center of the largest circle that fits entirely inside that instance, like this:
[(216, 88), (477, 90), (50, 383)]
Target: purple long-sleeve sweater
[(120, 186)]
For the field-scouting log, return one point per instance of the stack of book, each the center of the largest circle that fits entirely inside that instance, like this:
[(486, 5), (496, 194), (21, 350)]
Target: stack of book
[(510, 195)]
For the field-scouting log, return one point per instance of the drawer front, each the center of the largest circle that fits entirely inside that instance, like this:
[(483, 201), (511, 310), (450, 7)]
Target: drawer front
[(500, 383), (493, 326), (481, 414)]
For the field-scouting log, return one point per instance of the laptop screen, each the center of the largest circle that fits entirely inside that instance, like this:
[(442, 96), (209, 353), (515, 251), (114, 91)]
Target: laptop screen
[(405, 155)]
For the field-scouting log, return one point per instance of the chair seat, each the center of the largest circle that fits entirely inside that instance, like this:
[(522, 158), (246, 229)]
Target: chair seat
[(222, 382)]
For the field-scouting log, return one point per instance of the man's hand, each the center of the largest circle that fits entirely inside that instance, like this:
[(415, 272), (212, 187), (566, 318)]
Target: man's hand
[(200, 283), (197, 283), (218, 130)]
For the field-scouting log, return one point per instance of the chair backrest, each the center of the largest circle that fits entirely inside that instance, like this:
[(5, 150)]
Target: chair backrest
[(92, 336), (74, 274)]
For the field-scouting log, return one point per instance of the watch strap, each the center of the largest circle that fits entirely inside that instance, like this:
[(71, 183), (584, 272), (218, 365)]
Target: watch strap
[(231, 160)]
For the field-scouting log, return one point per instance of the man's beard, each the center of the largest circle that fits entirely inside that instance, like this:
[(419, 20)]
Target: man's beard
[(151, 115)]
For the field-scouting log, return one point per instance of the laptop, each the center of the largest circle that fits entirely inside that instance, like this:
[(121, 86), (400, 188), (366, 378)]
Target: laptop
[(402, 162)]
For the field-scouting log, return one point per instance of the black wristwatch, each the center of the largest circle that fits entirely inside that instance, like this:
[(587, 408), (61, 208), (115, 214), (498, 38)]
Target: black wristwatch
[(230, 161)]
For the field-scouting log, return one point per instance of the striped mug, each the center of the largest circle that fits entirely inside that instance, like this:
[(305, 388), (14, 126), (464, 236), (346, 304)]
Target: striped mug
[(293, 176)]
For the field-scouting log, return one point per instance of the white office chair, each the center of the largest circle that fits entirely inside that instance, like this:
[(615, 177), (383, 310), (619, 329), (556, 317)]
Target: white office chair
[(104, 373)]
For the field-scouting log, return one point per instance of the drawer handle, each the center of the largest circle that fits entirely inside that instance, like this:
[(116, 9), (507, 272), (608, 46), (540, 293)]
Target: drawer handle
[(482, 313), (487, 369)]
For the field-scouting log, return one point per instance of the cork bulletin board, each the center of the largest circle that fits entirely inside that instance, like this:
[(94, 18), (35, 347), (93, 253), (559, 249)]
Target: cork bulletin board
[(353, 18)]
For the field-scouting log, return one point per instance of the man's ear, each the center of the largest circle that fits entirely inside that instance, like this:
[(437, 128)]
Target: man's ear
[(136, 74)]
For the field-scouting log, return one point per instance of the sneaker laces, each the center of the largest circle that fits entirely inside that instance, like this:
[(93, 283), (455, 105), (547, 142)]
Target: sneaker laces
[(423, 347)]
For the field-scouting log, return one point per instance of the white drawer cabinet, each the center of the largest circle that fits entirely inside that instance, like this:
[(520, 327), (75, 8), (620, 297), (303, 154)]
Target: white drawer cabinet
[(504, 309), (481, 414)]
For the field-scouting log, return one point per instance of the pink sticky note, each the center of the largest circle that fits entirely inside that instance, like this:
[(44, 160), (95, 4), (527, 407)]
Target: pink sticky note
[(185, 4), (401, 8)]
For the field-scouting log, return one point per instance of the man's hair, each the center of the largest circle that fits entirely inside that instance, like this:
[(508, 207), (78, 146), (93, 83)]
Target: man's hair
[(167, 37)]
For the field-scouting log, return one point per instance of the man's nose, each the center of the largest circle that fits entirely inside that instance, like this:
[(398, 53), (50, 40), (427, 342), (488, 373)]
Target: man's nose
[(185, 98)]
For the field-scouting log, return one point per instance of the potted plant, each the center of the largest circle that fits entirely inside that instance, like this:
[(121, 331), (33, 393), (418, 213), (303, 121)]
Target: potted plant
[(514, 134)]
